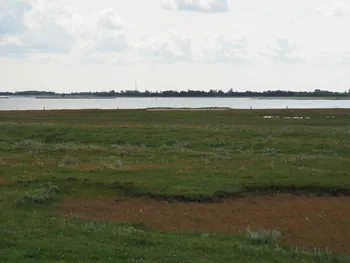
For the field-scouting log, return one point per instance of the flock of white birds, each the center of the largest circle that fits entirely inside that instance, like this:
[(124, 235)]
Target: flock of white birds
[(294, 118)]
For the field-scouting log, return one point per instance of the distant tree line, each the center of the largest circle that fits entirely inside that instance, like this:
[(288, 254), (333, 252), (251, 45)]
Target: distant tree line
[(183, 94), (28, 93)]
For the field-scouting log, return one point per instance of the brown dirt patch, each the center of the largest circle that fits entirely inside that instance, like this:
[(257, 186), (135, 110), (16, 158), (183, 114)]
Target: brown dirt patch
[(87, 166), (306, 222), (142, 167)]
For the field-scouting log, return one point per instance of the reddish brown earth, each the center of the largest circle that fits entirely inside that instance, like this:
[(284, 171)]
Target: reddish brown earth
[(87, 166), (142, 167), (305, 222)]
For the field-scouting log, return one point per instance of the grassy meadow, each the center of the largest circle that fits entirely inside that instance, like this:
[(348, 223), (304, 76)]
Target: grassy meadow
[(175, 156)]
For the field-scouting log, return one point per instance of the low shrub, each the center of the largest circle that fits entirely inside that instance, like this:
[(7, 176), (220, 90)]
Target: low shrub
[(67, 160), (263, 236), (38, 196)]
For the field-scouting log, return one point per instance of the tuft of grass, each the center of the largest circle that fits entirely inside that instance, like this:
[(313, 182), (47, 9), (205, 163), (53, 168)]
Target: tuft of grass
[(175, 145), (67, 160), (270, 151), (216, 157), (95, 226), (30, 144), (112, 163), (242, 168), (263, 236), (118, 163), (120, 145), (317, 253), (38, 196), (270, 138)]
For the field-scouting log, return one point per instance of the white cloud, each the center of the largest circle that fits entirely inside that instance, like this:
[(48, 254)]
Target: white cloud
[(338, 9), (108, 33), (11, 46), (283, 52), (112, 41), (46, 28), (105, 40), (49, 30), (206, 6), (226, 49), (110, 19), (12, 16), (173, 47), (51, 39), (36, 26)]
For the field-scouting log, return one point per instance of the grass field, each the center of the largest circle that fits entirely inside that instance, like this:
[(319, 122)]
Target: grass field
[(175, 186)]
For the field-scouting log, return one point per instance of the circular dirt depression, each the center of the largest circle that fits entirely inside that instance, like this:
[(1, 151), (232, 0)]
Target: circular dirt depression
[(304, 221)]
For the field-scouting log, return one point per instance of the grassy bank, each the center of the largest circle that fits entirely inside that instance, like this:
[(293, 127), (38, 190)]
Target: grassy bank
[(188, 156)]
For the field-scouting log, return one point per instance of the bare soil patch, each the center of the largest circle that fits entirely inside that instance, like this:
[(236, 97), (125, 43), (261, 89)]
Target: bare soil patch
[(87, 166), (305, 222), (142, 167)]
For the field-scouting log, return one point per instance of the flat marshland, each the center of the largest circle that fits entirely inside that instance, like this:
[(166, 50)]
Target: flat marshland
[(175, 186)]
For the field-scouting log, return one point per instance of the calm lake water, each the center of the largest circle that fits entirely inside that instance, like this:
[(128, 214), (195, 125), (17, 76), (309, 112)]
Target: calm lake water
[(30, 103)]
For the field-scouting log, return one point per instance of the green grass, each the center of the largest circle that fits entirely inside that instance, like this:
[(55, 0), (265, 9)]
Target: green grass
[(188, 156)]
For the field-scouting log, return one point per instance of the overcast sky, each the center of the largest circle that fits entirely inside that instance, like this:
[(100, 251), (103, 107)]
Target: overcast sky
[(79, 45)]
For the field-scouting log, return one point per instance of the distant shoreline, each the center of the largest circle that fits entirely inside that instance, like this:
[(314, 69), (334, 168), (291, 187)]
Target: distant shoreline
[(189, 93), (190, 109), (70, 97), (162, 97)]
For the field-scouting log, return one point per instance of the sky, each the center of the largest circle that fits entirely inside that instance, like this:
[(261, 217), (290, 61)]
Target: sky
[(79, 45)]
